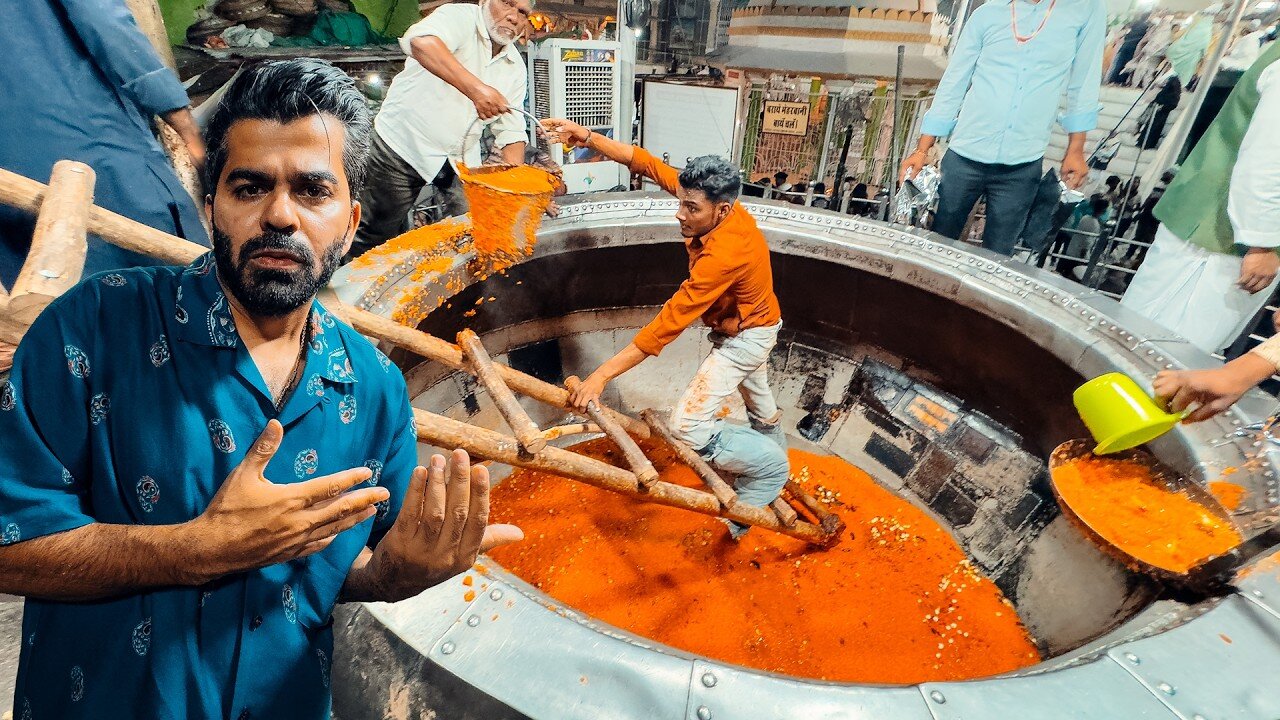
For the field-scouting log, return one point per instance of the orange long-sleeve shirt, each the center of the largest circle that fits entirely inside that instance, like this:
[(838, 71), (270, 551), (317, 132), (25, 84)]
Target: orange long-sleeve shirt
[(730, 280)]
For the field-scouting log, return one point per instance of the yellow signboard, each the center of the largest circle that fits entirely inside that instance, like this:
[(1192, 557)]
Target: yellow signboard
[(786, 118)]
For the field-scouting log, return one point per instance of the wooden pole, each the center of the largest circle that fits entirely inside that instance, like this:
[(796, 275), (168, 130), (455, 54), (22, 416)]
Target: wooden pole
[(639, 464), (829, 520), (489, 445), (449, 355), (785, 512), (56, 258), (559, 431), (27, 194), (725, 494), (526, 430)]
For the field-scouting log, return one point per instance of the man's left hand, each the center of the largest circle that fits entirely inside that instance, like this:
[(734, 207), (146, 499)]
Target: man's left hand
[(441, 529), (1075, 170), (1258, 269)]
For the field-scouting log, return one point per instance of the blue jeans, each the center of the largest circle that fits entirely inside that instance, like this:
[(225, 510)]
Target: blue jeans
[(1010, 191), (757, 455)]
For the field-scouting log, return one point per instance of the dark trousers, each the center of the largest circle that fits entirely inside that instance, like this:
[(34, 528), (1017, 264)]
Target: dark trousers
[(1009, 189), (390, 190)]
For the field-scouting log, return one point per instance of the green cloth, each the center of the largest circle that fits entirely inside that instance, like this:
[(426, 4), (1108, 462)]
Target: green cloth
[(389, 17), (1186, 52), (333, 28), (178, 16), (1195, 206)]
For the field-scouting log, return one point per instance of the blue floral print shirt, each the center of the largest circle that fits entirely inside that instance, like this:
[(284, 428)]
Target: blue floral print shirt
[(130, 401)]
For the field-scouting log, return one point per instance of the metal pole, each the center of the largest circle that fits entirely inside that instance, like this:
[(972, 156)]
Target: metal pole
[(1183, 129), (957, 22), (627, 72), (895, 152), (840, 169), (826, 137)]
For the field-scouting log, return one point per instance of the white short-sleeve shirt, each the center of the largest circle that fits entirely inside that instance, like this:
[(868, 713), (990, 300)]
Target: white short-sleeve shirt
[(424, 118)]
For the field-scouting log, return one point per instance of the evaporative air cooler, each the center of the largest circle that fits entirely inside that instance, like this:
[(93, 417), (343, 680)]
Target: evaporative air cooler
[(579, 80)]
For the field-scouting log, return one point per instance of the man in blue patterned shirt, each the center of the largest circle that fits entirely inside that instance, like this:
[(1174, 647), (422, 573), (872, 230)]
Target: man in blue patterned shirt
[(1010, 69), (197, 463)]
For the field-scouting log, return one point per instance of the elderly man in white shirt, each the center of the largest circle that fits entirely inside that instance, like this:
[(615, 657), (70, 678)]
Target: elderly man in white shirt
[(463, 64), (1214, 262)]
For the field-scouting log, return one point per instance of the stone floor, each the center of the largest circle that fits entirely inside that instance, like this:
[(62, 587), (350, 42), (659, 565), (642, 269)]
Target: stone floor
[(10, 632)]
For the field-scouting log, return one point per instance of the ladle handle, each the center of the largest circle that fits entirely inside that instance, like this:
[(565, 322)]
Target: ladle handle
[(1219, 569)]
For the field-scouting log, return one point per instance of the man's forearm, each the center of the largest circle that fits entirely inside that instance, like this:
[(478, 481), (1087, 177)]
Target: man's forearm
[(627, 358), (433, 55), (100, 561), (362, 584), (513, 154), (1075, 142), (618, 152), (925, 143)]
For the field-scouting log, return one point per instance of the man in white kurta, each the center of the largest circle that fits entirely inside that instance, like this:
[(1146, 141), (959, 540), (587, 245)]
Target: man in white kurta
[(463, 73), (1213, 265)]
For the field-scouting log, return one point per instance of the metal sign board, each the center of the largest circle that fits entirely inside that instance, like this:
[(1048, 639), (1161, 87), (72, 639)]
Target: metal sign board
[(786, 118)]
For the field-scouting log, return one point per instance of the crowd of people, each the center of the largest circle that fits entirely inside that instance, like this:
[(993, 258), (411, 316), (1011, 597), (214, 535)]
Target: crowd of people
[(197, 463)]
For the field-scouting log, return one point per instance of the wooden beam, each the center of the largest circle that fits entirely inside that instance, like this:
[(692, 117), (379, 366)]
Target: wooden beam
[(723, 493), (526, 430), (449, 355), (830, 521), (56, 258), (489, 445), (785, 512), (639, 464)]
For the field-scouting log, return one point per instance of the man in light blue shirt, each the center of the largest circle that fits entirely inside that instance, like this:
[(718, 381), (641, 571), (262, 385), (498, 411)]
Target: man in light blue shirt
[(997, 102)]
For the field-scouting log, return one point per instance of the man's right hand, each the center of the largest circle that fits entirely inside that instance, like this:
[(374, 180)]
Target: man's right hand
[(488, 101), (566, 131), (913, 164), (252, 522), (587, 392)]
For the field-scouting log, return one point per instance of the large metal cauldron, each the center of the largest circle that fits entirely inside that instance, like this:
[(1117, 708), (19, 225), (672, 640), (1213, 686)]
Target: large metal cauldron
[(883, 325)]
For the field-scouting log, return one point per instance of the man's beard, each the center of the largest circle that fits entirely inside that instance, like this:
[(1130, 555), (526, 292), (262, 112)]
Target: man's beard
[(498, 34), (268, 292)]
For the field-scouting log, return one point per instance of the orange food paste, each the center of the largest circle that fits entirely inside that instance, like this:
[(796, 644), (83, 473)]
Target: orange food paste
[(1131, 509), (506, 209), (429, 252), (896, 601), (1228, 493)]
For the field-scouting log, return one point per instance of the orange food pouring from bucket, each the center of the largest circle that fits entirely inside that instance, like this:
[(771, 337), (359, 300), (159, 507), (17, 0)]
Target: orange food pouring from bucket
[(507, 203), (1140, 511)]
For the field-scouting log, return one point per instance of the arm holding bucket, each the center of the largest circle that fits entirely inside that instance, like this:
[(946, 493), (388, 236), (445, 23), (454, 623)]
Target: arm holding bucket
[(1216, 389)]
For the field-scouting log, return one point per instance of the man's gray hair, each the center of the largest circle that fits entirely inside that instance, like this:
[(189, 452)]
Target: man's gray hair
[(714, 176)]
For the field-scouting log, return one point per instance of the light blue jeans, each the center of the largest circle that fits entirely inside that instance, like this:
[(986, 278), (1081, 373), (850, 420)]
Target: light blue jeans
[(756, 456)]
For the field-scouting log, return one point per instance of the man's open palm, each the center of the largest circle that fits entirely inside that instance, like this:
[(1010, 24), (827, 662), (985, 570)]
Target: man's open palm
[(441, 529)]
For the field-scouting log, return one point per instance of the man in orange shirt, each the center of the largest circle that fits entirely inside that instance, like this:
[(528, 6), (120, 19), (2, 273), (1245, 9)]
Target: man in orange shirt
[(730, 286)]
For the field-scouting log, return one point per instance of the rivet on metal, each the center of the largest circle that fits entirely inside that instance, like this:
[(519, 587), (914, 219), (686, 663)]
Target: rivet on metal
[(709, 679), (1132, 658), (704, 712), (1166, 688), (937, 697), (473, 621), (447, 648), (1257, 593), (1198, 716), (496, 594)]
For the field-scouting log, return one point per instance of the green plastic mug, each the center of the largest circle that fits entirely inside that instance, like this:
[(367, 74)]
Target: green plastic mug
[(1119, 414)]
